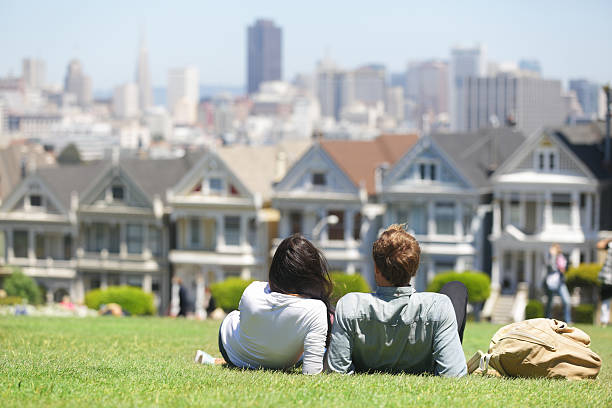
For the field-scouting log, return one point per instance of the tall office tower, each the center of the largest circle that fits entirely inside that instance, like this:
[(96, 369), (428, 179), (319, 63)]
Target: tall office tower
[(394, 104), (183, 94), (524, 102), (335, 88), (33, 72), (265, 56), (531, 66), (78, 84), (370, 84), (587, 93), (143, 78), (125, 101), (427, 89), (465, 62)]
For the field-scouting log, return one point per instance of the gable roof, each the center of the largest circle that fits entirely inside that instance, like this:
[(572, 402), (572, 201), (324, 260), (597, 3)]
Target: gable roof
[(360, 158), (587, 149), (477, 154), (11, 161)]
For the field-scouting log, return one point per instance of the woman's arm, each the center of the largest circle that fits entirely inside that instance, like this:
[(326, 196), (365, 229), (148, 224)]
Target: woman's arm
[(314, 342)]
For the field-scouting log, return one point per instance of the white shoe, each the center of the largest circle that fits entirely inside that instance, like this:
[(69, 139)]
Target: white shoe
[(203, 357)]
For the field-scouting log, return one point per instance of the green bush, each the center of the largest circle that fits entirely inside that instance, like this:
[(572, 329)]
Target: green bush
[(227, 294), (478, 284), (22, 286), (131, 299), (344, 284), (583, 314), (534, 309), (11, 300), (583, 276)]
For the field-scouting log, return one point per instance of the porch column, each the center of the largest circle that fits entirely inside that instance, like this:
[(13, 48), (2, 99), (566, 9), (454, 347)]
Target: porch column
[(10, 251), (122, 239), (323, 236), (506, 210), (220, 231), (496, 217), (174, 300), (103, 280), (199, 296), (431, 271), (588, 223), (575, 257), (528, 263), (147, 283), (458, 223), (575, 214), (349, 218), (495, 266), (79, 289), (522, 211), (431, 218), (245, 273), (31, 253), (513, 268), (597, 210), (547, 210), (284, 224)]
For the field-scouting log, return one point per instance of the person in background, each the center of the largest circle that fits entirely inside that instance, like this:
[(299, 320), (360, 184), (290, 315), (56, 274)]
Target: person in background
[(554, 282), (605, 277)]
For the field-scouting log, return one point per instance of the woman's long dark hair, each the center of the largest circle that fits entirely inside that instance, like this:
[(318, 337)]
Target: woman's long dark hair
[(298, 267)]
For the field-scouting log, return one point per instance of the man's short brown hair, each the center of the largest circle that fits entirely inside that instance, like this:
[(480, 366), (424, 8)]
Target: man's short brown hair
[(396, 254)]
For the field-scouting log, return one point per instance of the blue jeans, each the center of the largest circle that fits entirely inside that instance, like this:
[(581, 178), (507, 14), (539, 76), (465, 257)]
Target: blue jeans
[(563, 292)]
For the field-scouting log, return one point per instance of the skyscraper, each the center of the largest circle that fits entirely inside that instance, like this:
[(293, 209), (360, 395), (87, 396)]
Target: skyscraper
[(465, 62), (265, 57), (78, 84), (183, 94), (125, 101), (587, 93), (143, 77), (33, 72)]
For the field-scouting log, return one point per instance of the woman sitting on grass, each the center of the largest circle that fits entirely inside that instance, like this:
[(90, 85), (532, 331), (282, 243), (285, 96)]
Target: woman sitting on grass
[(284, 320)]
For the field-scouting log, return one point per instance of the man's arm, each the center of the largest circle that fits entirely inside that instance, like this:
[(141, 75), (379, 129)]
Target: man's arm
[(603, 244), (448, 357), (340, 353)]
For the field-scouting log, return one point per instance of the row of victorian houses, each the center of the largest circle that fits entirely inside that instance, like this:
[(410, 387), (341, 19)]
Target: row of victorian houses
[(494, 201)]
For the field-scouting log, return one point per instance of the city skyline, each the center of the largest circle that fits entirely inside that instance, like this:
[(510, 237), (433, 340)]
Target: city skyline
[(192, 32)]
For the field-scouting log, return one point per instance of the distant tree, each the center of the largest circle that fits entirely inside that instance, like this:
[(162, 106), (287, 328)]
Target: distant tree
[(70, 155), (23, 286)]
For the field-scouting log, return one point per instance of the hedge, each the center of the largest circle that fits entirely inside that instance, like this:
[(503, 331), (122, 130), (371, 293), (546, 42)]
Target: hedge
[(11, 301), (22, 286), (227, 294), (131, 299), (583, 314), (344, 284), (583, 276), (478, 284), (534, 309)]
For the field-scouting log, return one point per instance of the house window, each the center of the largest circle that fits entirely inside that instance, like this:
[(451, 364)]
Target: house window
[(232, 230), (357, 226), (336, 231), (155, 240), (134, 238), (295, 222), (428, 171), (215, 186), (444, 266), (515, 213), (40, 246), (422, 171), (20, 244), (67, 247), (194, 233), (551, 161), (541, 161), (546, 159), (417, 219), (113, 239), (252, 232), (561, 209), (35, 200), (318, 179), (118, 193), (445, 218), (134, 280)]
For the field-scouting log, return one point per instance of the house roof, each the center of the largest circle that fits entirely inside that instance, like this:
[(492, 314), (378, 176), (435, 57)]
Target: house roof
[(479, 153), (588, 149), (11, 161), (258, 167), (360, 158)]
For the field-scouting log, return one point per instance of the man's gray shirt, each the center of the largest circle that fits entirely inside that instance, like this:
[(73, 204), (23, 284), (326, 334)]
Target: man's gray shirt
[(396, 330)]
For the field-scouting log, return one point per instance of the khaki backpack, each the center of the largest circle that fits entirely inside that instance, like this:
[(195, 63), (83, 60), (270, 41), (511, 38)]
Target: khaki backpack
[(538, 348)]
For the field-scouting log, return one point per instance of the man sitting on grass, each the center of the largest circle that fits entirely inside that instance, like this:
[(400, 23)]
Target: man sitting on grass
[(397, 329)]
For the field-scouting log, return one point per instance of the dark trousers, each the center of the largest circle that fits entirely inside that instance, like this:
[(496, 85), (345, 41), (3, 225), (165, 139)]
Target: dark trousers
[(457, 292)]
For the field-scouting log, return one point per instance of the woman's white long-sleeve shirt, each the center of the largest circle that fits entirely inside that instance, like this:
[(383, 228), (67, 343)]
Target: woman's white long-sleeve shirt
[(272, 330)]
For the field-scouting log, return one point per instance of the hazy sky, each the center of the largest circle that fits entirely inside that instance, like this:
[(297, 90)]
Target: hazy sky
[(570, 38)]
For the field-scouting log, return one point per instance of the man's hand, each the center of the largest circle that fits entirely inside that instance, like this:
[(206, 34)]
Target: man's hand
[(603, 244)]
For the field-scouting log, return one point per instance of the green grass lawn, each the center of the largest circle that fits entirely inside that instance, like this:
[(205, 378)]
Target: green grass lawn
[(149, 362)]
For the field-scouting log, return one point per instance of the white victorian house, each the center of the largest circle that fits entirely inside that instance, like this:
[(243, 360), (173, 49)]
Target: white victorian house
[(544, 193), (329, 196)]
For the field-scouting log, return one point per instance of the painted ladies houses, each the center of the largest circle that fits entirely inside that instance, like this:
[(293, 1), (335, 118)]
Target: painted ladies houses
[(439, 189), (221, 219), (329, 196), (553, 189)]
